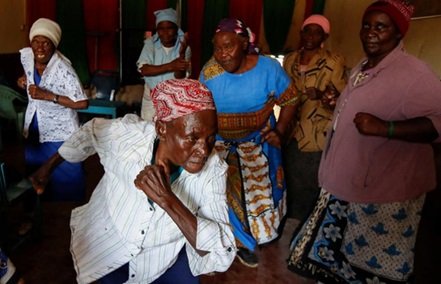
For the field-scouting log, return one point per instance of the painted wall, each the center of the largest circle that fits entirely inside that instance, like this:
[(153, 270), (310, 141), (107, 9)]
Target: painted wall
[(13, 30)]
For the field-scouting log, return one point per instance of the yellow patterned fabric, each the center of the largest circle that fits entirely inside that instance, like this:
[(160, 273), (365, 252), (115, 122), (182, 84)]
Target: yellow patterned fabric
[(212, 69), (250, 170), (313, 118)]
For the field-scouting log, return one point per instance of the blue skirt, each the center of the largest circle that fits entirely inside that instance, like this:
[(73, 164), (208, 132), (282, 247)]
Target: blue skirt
[(347, 242), (67, 182)]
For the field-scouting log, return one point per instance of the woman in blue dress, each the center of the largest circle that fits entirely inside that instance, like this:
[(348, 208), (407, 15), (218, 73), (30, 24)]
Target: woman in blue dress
[(246, 87)]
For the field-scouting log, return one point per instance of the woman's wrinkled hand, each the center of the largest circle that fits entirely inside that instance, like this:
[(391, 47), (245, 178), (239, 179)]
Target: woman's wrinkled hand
[(329, 98), (39, 179), (22, 82), (154, 182), (180, 64), (272, 136), (184, 45), (38, 93), (369, 124)]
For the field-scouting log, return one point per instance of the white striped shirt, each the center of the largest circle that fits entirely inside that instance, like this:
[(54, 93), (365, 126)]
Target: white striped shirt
[(118, 225)]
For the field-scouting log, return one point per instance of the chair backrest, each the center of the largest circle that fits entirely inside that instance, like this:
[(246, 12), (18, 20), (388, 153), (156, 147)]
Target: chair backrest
[(11, 190), (8, 97), (105, 81), (3, 196)]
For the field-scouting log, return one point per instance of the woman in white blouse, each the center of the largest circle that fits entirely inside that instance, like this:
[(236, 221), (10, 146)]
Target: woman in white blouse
[(159, 214), (55, 92)]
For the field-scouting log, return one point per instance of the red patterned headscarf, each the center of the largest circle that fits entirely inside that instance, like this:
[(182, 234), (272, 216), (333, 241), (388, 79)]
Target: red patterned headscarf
[(238, 27), (178, 97)]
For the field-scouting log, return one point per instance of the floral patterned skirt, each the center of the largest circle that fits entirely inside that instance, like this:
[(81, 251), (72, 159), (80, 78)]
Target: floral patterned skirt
[(345, 242)]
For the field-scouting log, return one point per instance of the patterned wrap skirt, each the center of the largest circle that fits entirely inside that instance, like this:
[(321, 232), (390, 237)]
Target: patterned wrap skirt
[(345, 242), (255, 189)]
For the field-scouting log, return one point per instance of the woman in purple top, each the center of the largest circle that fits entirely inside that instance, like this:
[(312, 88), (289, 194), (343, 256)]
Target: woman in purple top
[(377, 164)]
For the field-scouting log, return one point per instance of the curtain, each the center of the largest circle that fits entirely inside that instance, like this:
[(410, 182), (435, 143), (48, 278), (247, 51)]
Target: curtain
[(71, 20), (195, 24), (318, 7), (36, 9), (101, 18), (277, 20), (215, 10), (249, 11), (133, 28), (152, 6), (314, 7)]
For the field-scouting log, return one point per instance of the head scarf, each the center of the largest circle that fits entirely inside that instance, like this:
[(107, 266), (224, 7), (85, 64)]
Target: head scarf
[(320, 20), (48, 28), (238, 27), (178, 97), (166, 15), (400, 12)]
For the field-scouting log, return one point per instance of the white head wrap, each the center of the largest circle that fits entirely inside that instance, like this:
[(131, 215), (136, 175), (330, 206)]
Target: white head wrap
[(47, 28), (166, 15)]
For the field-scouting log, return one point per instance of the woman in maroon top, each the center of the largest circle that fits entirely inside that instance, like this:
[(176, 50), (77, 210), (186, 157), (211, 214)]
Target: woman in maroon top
[(377, 164)]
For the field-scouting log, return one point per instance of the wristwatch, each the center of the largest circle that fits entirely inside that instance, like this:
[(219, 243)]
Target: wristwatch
[(55, 99)]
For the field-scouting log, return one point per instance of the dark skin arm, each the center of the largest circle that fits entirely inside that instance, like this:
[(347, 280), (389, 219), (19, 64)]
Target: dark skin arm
[(38, 93), (328, 96), (40, 178), (277, 136), (418, 130), (154, 182), (179, 66)]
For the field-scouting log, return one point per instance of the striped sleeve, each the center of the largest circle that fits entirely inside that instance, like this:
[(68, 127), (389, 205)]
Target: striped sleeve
[(214, 233)]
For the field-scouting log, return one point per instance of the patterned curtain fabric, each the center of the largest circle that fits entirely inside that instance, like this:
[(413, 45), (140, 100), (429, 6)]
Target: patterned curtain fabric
[(73, 41), (215, 10), (277, 20)]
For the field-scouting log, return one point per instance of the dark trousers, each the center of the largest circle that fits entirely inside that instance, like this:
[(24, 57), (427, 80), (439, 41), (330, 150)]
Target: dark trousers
[(178, 273), (301, 175)]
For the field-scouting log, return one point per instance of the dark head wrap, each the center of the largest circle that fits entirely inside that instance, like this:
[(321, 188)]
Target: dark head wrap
[(400, 12), (238, 27)]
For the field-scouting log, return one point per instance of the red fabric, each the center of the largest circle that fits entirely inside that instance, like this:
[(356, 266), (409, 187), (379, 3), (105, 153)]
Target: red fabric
[(195, 18), (250, 12), (179, 97), (40, 9), (308, 8), (152, 6), (102, 24)]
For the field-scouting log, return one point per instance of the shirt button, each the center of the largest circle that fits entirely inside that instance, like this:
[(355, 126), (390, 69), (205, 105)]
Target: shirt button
[(142, 232), (229, 249), (151, 209), (133, 275)]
